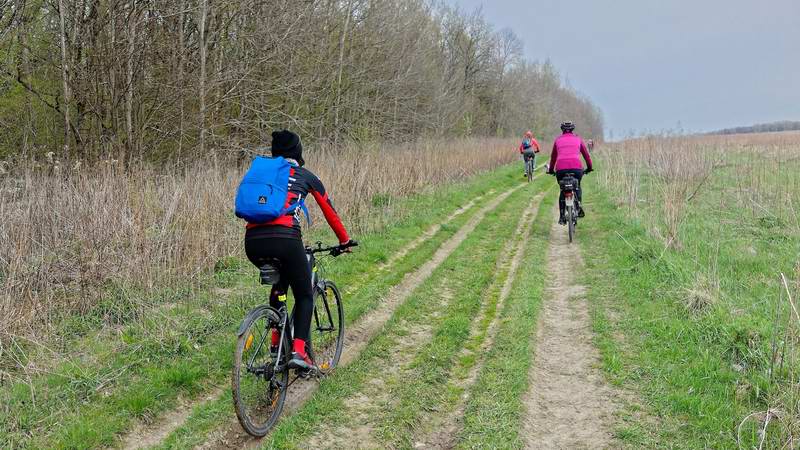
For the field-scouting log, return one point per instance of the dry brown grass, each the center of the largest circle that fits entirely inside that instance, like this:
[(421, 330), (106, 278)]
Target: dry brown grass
[(69, 232), (676, 168)]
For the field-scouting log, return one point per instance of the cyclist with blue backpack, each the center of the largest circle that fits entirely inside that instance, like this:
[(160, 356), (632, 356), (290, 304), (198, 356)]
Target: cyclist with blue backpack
[(270, 198), (528, 148)]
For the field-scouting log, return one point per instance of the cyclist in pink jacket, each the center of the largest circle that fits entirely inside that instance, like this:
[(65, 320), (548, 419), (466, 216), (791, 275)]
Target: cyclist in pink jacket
[(566, 159)]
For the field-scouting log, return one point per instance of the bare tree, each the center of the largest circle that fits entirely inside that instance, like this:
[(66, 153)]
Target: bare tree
[(64, 71)]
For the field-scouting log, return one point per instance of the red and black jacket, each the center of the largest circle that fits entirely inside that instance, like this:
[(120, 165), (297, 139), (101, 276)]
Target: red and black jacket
[(301, 183)]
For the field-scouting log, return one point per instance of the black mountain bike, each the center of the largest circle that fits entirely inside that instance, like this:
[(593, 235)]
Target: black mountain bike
[(569, 186), (261, 374)]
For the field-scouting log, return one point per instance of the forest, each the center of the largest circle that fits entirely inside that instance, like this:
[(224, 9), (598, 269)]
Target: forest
[(161, 80)]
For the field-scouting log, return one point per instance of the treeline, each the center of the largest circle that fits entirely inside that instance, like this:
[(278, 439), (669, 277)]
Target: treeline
[(785, 125), (162, 79)]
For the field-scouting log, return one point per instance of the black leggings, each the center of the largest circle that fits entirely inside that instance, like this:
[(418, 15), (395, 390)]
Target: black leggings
[(295, 272), (577, 173)]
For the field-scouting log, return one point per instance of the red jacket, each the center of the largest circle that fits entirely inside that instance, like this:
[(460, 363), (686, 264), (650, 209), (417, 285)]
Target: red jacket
[(303, 182), (534, 144)]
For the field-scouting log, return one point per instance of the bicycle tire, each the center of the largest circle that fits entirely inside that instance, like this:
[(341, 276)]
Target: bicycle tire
[(270, 394), (327, 333), (571, 222), (530, 171)]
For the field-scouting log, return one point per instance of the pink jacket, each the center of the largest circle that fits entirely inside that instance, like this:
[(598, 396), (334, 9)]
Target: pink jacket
[(567, 151)]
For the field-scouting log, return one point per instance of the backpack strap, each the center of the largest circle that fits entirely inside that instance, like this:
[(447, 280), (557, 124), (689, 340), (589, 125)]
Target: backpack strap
[(302, 206), (300, 203)]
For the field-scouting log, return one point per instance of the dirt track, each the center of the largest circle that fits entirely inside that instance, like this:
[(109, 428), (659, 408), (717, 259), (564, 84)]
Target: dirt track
[(569, 404)]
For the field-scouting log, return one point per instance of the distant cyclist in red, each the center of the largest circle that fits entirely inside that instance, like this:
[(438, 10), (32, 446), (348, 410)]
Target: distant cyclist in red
[(566, 159), (528, 148)]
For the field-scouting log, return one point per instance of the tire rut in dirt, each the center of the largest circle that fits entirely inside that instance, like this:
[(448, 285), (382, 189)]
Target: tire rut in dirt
[(569, 404), (357, 337), (441, 430), (369, 401)]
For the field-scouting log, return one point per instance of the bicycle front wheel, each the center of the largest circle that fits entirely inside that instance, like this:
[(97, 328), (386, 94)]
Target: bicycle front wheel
[(258, 380), (327, 327)]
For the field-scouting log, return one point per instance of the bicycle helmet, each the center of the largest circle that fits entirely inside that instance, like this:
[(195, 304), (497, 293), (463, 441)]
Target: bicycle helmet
[(567, 127)]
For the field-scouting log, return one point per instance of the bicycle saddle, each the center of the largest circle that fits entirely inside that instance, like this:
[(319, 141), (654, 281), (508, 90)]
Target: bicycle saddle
[(270, 272)]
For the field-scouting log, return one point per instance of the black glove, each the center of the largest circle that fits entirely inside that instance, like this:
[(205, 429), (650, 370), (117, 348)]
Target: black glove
[(588, 170), (344, 248)]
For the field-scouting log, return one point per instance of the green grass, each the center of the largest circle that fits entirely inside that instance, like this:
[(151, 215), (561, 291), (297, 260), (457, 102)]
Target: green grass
[(181, 344), (468, 272), (425, 398), (698, 370), (494, 410), (427, 390)]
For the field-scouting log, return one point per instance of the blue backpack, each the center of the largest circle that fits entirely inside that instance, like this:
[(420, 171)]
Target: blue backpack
[(262, 193), (526, 144)]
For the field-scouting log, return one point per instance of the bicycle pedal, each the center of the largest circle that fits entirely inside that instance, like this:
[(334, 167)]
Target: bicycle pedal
[(308, 373)]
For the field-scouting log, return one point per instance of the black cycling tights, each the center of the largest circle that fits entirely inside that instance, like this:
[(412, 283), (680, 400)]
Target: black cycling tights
[(577, 173), (295, 271)]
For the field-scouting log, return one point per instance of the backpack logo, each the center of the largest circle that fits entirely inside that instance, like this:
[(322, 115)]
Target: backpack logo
[(262, 200)]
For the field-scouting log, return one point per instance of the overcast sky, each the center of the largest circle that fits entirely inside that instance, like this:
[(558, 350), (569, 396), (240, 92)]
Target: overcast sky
[(649, 64)]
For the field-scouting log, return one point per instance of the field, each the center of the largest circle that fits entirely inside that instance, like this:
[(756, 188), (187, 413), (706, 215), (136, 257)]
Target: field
[(672, 322)]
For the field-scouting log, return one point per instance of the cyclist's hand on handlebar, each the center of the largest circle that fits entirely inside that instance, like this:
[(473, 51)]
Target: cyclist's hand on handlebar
[(344, 248), (589, 170)]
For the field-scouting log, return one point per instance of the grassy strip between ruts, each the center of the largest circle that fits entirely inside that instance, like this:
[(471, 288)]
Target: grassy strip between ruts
[(494, 410), (430, 388), (469, 270), (142, 367)]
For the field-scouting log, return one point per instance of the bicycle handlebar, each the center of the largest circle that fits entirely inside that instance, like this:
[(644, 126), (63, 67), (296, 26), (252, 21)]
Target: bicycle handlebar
[(335, 250)]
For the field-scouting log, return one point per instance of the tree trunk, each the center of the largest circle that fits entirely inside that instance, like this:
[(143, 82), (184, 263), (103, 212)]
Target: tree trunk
[(64, 72), (181, 53), (130, 144), (203, 51), (337, 103)]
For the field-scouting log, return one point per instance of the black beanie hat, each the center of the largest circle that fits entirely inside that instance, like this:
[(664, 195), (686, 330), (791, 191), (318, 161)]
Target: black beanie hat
[(287, 144)]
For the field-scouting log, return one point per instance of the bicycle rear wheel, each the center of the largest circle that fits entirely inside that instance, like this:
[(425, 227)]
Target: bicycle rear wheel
[(258, 383), (530, 170), (327, 328)]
